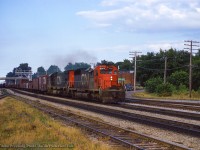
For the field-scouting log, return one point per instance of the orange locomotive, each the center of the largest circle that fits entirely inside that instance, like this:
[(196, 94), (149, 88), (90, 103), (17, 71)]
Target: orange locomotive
[(100, 83)]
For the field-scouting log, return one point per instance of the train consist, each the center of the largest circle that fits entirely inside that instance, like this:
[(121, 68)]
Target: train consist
[(100, 83)]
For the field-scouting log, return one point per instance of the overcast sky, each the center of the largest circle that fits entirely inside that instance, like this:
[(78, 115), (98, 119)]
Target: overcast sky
[(55, 32)]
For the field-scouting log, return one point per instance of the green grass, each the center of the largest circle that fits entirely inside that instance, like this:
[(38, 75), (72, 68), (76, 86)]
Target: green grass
[(22, 125)]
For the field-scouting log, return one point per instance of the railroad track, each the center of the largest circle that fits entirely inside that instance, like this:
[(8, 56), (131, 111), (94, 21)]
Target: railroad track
[(164, 103), (171, 125), (159, 110), (128, 138)]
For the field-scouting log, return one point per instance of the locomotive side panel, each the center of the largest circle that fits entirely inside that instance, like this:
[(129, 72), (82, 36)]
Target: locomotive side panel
[(81, 81), (71, 78)]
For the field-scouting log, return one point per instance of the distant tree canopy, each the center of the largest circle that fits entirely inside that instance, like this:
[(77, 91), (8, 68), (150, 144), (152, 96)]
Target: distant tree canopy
[(22, 67), (34, 75), (152, 65), (41, 71), (75, 66), (52, 69), (10, 74), (105, 62), (125, 65)]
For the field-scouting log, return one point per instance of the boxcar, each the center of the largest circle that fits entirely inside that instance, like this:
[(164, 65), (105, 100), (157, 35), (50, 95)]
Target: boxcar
[(35, 82), (42, 81)]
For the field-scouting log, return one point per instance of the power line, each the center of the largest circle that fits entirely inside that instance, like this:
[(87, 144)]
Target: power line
[(152, 69)]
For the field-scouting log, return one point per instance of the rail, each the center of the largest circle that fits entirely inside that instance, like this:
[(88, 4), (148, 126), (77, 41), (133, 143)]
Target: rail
[(161, 110), (165, 103)]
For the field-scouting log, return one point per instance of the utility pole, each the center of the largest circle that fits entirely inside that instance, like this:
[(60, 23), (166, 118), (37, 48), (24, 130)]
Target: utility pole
[(190, 65), (165, 71), (135, 67)]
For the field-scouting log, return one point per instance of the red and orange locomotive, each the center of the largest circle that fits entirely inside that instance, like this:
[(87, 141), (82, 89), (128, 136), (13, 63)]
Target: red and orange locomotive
[(100, 83)]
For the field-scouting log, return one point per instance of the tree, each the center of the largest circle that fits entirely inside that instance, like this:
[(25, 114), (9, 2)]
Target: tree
[(152, 64), (75, 66), (125, 65), (34, 75), (52, 69), (23, 67), (41, 71), (10, 74), (106, 62), (69, 66)]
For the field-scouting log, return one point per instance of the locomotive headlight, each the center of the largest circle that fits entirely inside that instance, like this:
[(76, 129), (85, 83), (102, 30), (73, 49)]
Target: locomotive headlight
[(111, 78)]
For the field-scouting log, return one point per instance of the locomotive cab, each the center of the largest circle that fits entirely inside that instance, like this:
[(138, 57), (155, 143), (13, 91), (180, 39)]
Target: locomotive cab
[(106, 77), (106, 80)]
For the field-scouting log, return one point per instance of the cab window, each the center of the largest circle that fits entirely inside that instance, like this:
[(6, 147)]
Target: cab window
[(106, 71)]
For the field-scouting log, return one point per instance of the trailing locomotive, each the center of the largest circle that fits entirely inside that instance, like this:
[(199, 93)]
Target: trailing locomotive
[(100, 83)]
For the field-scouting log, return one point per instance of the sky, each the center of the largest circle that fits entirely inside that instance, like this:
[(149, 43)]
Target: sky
[(56, 32)]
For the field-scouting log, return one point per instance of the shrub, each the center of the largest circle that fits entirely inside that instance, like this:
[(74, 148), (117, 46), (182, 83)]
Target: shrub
[(182, 89), (151, 84), (164, 89), (199, 90), (179, 77)]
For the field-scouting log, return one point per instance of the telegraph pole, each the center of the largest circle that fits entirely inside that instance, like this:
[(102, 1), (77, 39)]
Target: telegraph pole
[(191, 44), (135, 67), (165, 71)]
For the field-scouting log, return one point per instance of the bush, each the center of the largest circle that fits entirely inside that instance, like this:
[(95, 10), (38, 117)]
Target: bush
[(165, 89), (151, 84), (198, 90), (182, 89), (179, 77)]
